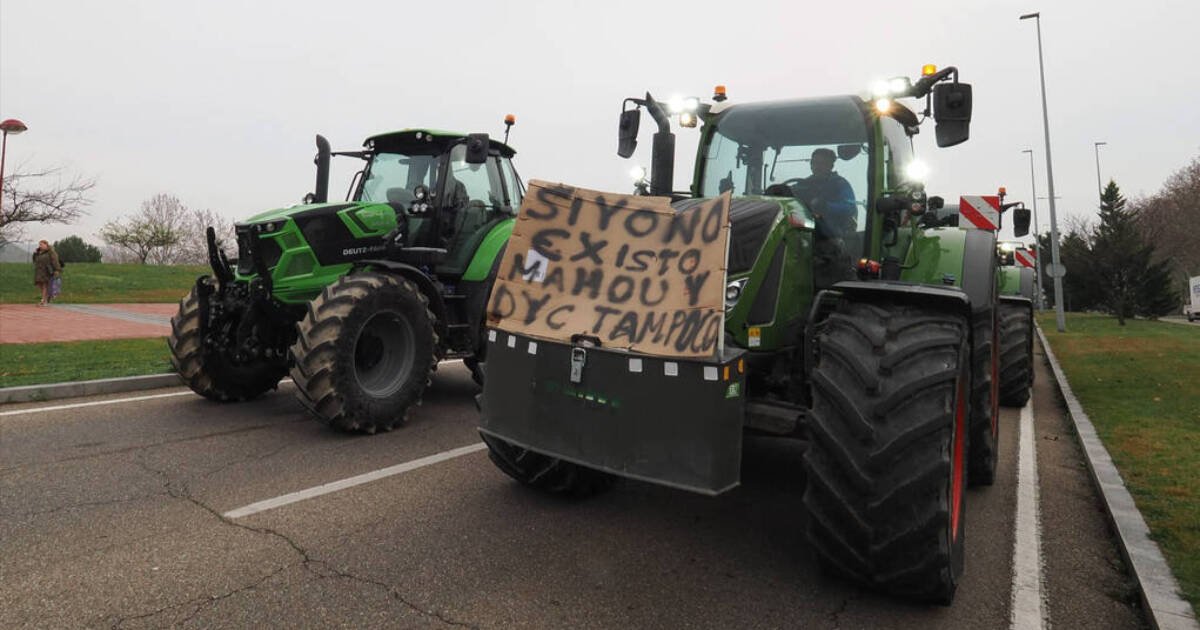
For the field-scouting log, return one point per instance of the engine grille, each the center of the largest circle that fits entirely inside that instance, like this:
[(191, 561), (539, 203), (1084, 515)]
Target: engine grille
[(247, 241)]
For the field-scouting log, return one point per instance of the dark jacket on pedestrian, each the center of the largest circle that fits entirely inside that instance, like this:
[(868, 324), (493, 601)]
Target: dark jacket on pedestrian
[(45, 265)]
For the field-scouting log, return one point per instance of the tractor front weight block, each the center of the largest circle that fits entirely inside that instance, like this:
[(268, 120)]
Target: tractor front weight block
[(673, 422)]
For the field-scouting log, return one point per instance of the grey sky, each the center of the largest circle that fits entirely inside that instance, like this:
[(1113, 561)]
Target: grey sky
[(217, 102)]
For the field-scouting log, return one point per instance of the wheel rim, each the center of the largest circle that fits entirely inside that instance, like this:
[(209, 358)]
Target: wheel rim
[(383, 354)]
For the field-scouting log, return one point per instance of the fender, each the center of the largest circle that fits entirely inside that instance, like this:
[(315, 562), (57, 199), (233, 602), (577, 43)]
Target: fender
[(948, 297), (1018, 300), (419, 278), (951, 256), (482, 262), (1028, 283)]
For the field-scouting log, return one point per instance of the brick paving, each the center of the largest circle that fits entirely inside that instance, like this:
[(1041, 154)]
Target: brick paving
[(22, 323)]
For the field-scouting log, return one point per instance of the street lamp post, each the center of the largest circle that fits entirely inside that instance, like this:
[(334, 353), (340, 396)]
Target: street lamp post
[(13, 126), (1059, 316), (1037, 244), (1099, 186)]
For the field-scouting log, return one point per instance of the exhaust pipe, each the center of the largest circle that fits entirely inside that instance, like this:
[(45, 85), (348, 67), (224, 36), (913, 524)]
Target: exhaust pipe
[(321, 193), (662, 154)]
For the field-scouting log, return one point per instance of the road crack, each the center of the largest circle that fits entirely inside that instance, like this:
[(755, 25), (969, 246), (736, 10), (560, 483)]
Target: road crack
[(307, 562)]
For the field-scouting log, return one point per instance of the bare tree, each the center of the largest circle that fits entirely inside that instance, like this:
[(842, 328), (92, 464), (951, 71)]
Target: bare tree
[(47, 195), (1167, 219), (154, 233), (193, 248)]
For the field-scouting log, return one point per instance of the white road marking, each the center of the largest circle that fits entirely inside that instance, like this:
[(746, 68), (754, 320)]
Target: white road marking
[(1028, 610), (94, 403), (350, 482), (114, 401)]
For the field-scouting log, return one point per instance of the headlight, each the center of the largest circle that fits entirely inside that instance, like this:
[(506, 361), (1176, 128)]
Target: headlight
[(917, 171), (733, 291)]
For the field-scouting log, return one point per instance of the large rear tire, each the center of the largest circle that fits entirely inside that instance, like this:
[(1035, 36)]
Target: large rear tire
[(364, 352), (208, 372), (985, 393), (546, 473), (886, 464), (1016, 354)]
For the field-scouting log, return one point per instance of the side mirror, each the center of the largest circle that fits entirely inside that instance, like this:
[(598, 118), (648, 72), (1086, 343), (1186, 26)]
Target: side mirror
[(627, 131), (1021, 218), (477, 148), (936, 203), (952, 113)]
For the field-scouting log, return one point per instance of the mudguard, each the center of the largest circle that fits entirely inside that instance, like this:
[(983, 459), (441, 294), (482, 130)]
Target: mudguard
[(672, 422), (481, 263), (436, 304), (955, 257)]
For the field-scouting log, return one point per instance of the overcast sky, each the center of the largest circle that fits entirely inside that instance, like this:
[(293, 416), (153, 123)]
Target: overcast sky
[(217, 102)]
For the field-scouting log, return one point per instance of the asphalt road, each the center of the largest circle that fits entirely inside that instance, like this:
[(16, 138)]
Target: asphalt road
[(115, 515)]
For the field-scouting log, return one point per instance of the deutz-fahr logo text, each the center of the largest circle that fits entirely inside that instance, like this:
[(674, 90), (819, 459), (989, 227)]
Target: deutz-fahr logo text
[(355, 251)]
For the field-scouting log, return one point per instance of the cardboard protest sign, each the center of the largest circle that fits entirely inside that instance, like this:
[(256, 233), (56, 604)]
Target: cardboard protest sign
[(627, 270)]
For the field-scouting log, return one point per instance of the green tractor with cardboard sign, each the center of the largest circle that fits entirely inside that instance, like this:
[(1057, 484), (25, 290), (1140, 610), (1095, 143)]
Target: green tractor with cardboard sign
[(852, 319), (360, 299)]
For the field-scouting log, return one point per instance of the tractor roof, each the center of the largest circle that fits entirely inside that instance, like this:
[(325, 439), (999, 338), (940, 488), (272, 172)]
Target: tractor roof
[(407, 138), (817, 120)]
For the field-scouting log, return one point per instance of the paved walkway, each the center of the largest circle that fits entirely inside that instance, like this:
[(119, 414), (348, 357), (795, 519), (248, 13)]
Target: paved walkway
[(27, 323)]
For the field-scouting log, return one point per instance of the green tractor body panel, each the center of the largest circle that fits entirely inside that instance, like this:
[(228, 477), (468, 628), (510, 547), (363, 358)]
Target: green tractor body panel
[(1010, 281), (777, 291), (488, 250)]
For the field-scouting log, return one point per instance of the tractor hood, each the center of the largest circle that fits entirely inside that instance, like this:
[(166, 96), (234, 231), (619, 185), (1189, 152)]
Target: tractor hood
[(306, 210)]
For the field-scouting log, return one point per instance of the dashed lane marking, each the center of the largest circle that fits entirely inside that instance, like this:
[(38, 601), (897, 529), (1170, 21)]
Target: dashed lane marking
[(350, 482), (1028, 606)]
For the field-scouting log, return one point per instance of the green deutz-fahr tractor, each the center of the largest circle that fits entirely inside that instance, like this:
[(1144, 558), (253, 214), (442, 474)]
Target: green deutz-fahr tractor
[(869, 332), (358, 299)]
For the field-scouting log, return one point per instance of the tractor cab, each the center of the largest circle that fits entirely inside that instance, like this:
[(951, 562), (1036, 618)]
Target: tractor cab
[(446, 189)]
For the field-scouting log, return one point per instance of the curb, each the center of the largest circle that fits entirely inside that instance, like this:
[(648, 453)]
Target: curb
[(53, 391), (1165, 607)]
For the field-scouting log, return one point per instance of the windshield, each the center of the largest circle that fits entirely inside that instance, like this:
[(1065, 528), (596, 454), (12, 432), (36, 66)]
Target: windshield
[(391, 177), (812, 150)]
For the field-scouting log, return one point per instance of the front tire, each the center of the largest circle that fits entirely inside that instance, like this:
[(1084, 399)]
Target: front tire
[(364, 352), (1016, 354), (886, 464), (545, 473), (208, 371)]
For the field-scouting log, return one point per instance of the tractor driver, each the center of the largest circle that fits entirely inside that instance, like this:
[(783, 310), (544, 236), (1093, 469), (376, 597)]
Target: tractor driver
[(828, 195), (831, 199)]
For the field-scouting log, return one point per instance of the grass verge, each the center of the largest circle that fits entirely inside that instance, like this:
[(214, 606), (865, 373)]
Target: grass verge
[(42, 363), (102, 283), (1140, 385)]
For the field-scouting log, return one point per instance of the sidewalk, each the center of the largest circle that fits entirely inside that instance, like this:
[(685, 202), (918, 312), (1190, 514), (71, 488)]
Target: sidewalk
[(21, 323)]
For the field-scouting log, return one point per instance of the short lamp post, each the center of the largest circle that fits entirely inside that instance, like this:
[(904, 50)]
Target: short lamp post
[(13, 126)]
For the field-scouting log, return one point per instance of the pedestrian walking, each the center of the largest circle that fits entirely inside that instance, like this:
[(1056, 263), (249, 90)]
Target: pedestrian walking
[(47, 272)]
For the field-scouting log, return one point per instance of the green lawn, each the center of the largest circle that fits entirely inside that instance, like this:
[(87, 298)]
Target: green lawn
[(92, 283), (1140, 385), (40, 363)]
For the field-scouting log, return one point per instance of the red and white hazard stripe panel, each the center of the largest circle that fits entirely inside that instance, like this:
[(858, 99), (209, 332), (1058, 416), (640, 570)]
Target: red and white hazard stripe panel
[(980, 212), (1025, 258)]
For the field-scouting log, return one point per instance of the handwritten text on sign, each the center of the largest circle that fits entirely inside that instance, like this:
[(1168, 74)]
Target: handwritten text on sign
[(625, 269)]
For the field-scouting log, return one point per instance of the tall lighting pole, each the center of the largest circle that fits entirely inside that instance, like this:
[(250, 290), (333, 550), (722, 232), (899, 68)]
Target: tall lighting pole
[(1037, 244), (1059, 316), (1099, 186), (13, 126)]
